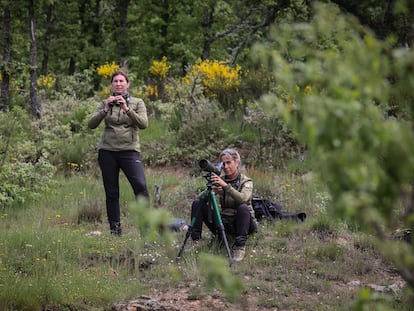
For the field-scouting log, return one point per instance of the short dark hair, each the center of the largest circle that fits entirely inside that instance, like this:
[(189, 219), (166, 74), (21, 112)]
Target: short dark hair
[(119, 72)]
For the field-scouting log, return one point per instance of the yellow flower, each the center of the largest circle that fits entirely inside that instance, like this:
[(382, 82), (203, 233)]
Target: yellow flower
[(215, 76), (160, 69), (46, 82), (107, 70), (151, 91)]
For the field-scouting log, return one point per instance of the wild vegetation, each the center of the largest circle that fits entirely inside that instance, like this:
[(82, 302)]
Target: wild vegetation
[(319, 106)]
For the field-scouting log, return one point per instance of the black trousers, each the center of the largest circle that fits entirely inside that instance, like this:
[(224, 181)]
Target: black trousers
[(111, 162), (240, 225)]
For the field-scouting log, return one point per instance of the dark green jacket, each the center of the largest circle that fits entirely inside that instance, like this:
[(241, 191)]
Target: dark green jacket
[(121, 128), (238, 191)]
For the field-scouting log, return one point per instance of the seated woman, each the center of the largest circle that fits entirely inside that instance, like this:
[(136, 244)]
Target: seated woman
[(234, 192)]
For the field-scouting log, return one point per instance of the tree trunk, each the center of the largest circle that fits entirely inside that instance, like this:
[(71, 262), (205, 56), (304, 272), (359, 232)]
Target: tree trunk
[(34, 102), (7, 43), (46, 39), (207, 23), (165, 16), (123, 25)]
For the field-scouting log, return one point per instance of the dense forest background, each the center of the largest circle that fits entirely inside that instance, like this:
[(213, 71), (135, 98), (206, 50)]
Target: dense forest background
[(313, 87), (74, 38)]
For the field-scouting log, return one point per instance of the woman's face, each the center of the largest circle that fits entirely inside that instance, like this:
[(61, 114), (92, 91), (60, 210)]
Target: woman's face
[(230, 166), (120, 85)]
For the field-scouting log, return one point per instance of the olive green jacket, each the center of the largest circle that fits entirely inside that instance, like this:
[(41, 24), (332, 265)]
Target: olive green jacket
[(121, 128), (238, 191)]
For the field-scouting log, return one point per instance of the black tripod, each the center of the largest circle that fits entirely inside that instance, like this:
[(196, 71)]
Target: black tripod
[(211, 197)]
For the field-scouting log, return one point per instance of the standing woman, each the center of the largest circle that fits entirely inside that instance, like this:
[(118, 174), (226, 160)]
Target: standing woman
[(119, 147)]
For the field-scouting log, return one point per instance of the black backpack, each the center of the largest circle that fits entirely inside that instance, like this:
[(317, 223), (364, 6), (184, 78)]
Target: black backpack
[(266, 209)]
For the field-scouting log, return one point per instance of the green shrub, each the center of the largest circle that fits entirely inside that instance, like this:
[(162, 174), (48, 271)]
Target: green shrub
[(25, 170), (25, 181), (329, 251)]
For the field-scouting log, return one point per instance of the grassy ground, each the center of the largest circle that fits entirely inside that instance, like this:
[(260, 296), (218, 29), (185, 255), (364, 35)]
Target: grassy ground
[(57, 254)]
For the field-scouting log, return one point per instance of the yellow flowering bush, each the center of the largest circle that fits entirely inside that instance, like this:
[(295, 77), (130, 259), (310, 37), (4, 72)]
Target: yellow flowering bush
[(306, 90), (291, 99), (215, 76), (46, 82), (160, 69), (137, 92), (151, 92), (107, 70), (156, 84)]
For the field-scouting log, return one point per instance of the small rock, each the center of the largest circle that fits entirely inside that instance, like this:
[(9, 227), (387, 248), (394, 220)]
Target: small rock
[(143, 303), (94, 233), (354, 283)]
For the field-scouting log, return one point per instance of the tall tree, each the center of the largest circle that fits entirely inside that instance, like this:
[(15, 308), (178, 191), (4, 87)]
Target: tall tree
[(34, 102), (5, 68), (48, 30), (207, 21), (123, 27), (384, 17)]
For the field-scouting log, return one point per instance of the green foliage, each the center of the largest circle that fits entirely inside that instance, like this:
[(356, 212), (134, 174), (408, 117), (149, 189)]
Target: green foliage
[(219, 81), (91, 211), (25, 171), (365, 157), (338, 90), (50, 259), (204, 121), (77, 119), (361, 151), (185, 129), (151, 223), (220, 276), (329, 251), (46, 270), (78, 86), (256, 81), (25, 181), (274, 142), (33, 150), (199, 127), (65, 135), (367, 299)]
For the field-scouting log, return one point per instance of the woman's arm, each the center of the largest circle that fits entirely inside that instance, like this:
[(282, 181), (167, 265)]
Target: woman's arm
[(138, 114), (244, 195), (97, 116)]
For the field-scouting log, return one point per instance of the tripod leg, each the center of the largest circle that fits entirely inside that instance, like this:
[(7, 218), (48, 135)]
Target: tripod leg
[(226, 244), (195, 217), (187, 235), (221, 227)]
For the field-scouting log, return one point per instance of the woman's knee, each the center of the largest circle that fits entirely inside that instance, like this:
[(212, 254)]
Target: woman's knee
[(243, 209)]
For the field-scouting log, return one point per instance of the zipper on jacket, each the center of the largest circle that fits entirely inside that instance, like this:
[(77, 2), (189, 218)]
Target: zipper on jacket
[(119, 114)]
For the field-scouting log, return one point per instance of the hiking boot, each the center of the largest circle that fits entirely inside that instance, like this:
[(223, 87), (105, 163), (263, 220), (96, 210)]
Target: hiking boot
[(238, 253), (116, 229)]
